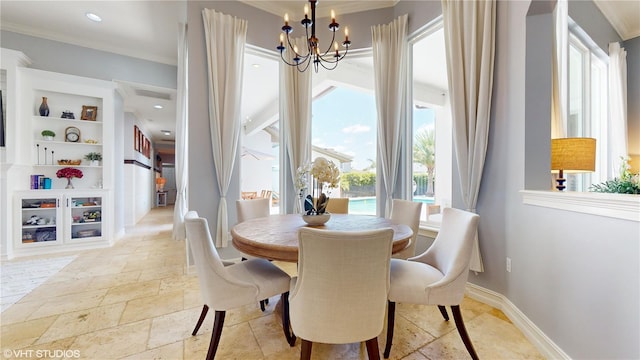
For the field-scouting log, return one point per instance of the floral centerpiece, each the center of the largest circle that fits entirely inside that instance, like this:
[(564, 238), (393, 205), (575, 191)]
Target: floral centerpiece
[(69, 173), (324, 172)]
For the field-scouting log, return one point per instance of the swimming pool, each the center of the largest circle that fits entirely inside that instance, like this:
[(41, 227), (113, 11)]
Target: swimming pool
[(367, 205)]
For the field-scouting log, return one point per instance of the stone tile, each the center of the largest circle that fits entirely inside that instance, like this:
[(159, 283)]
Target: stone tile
[(22, 334), (178, 282), (82, 322), (167, 329), (407, 337), (232, 337), (67, 303), (167, 352), (161, 272), (492, 338), (270, 336), (115, 342), (426, 317), (152, 306), (19, 312), (131, 291)]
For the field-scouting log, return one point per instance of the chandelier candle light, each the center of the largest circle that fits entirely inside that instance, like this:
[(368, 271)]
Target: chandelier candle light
[(327, 59)]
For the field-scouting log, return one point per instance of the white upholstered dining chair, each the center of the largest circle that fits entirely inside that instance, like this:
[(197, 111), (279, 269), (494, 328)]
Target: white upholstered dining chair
[(336, 205), (228, 287), (251, 209), (340, 293), (437, 276), (407, 213)]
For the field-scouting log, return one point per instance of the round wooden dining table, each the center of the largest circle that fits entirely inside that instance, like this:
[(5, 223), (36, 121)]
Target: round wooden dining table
[(275, 237)]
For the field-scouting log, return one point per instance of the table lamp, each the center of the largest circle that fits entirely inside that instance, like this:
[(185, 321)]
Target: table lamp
[(572, 155), (634, 164)]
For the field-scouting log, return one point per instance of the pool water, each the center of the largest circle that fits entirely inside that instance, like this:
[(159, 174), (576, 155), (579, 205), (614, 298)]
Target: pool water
[(367, 205)]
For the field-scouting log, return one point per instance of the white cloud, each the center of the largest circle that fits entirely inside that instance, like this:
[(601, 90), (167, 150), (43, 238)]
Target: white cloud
[(357, 128)]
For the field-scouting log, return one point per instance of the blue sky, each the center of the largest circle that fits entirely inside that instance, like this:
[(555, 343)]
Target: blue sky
[(345, 120)]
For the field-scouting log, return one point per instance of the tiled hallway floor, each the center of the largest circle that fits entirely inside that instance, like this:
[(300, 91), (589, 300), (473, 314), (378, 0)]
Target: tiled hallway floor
[(135, 301)]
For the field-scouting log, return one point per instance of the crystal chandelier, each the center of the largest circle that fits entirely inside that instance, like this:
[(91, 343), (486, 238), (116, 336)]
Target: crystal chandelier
[(329, 58)]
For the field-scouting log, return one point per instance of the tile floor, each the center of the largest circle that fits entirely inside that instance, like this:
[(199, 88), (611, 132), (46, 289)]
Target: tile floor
[(134, 301)]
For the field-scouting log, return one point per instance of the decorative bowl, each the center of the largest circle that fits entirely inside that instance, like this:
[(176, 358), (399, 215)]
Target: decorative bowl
[(316, 220), (69, 162)]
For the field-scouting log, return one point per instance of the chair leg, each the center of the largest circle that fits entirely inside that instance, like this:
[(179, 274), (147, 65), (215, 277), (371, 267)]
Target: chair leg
[(262, 307), (391, 314), (215, 334), (462, 330), (203, 315), (286, 326), (372, 349), (305, 351), (443, 311)]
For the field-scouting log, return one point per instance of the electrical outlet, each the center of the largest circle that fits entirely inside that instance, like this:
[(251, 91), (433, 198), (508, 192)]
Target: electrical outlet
[(508, 264)]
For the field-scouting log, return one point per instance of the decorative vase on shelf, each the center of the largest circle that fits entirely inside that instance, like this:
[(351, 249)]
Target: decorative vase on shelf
[(95, 163), (69, 184), (44, 108)]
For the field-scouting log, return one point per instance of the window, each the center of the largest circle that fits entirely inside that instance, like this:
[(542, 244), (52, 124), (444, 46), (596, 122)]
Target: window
[(343, 130), (587, 100), (259, 171), (431, 135)]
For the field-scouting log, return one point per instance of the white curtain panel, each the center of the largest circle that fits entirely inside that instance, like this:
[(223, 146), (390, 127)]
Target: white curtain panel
[(225, 37), (390, 74), (559, 70), (181, 162), (617, 108), (295, 111), (469, 28)]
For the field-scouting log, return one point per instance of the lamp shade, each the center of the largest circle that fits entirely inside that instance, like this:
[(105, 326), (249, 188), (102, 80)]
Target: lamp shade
[(573, 154), (634, 164)]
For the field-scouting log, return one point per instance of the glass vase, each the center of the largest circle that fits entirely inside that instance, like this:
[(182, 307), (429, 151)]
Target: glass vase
[(69, 184), (44, 107)]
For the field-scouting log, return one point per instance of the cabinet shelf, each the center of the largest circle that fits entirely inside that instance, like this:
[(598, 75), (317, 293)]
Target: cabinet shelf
[(38, 226), (55, 142), (86, 223), (63, 166), (71, 121)]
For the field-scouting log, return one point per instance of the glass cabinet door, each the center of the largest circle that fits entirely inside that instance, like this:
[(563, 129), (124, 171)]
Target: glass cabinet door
[(39, 220), (85, 217)]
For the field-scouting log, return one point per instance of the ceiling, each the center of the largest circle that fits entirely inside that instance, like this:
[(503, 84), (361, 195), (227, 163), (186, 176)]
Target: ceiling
[(133, 28)]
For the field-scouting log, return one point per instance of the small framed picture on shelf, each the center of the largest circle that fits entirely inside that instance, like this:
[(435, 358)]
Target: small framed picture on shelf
[(89, 112)]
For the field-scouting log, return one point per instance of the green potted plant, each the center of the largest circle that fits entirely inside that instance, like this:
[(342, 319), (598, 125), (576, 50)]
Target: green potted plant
[(94, 158), (48, 134), (626, 183)]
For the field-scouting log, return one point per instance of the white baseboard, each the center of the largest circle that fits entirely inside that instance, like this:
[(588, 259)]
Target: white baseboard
[(546, 346)]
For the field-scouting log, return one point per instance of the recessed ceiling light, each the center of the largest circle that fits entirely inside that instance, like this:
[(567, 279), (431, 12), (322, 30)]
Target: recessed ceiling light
[(256, 65), (166, 132), (93, 17), (158, 106)]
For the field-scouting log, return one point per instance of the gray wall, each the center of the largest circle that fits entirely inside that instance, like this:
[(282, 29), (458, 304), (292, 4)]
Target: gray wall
[(632, 46), (76, 60), (575, 276)]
